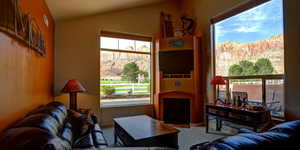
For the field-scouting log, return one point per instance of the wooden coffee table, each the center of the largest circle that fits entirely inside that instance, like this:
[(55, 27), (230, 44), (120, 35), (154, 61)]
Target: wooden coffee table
[(145, 131)]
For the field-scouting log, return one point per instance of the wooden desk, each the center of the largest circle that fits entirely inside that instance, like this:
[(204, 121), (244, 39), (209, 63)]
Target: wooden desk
[(237, 115), (144, 131)]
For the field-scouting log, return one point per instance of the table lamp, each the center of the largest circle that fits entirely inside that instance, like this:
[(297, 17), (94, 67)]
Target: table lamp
[(218, 80), (73, 87)]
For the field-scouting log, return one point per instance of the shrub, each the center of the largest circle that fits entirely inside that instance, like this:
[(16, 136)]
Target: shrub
[(108, 90)]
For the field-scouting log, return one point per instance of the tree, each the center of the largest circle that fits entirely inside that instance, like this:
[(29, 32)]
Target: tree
[(130, 72), (248, 68), (264, 66), (235, 70)]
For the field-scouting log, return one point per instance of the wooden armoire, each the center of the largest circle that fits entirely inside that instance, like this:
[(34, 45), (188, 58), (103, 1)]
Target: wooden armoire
[(178, 97)]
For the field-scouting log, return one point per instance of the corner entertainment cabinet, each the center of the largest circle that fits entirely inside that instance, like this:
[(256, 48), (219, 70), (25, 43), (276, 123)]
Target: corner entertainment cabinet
[(178, 80)]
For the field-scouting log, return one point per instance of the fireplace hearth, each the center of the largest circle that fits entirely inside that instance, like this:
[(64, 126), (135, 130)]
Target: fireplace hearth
[(176, 110)]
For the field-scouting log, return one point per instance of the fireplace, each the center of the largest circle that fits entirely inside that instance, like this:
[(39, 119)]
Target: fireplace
[(178, 107), (176, 110)]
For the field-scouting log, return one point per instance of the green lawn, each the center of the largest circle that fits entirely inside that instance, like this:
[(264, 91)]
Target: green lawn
[(123, 87), (113, 81)]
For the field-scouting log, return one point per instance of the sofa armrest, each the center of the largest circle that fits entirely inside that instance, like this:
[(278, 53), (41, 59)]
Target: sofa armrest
[(98, 136), (199, 146), (94, 118)]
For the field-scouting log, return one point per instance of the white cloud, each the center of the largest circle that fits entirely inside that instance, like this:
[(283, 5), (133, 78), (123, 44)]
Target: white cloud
[(247, 29), (260, 13), (220, 30), (251, 20), (253, 15), (258, 20)]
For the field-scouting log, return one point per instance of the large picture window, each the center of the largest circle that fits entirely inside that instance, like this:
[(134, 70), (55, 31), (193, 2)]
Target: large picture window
[(125, 70), (249, 52)]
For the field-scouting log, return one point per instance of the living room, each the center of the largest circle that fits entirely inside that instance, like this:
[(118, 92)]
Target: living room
[(50, 47)]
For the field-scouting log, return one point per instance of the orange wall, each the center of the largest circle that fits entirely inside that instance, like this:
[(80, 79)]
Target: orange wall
[(26, 78)]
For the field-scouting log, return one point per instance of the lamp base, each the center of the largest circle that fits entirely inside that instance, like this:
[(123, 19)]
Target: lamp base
[(218, 99), (73, 101)]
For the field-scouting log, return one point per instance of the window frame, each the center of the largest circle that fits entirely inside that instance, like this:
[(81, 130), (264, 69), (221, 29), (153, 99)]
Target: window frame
[(223, 16), (135, 37)]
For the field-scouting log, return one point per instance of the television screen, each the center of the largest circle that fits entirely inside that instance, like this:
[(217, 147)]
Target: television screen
[(176, 62)]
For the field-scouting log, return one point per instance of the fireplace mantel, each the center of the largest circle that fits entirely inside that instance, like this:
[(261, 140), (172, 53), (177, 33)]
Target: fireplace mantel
[(182, 93)]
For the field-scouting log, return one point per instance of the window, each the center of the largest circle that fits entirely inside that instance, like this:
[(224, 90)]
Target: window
[(249, 52), (125, 69)]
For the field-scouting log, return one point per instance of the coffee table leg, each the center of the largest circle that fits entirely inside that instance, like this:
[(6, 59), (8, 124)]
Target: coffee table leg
[(207, 123), (218, 124), (207, 119), (115, 137)]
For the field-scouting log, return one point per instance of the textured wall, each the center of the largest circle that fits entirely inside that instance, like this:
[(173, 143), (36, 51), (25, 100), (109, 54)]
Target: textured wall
[(204, 10), (26, 78), (292, 61), (77, 49)]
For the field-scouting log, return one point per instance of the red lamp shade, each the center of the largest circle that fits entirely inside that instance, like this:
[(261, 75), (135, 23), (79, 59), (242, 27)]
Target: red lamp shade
[(73, 86), (217, 80)]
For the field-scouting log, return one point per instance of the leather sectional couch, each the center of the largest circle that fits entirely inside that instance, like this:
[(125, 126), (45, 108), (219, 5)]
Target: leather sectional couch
[(285, 136), (53, 127)]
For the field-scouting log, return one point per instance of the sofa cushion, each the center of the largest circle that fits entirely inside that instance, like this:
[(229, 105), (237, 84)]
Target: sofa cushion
[(42, 121), (80, 123), (238, 142), (85, 140), (55, 112), (277, 138), (67, 134), (292, 127), (59, 106), (28, 138), (246, 131), (58, 144)]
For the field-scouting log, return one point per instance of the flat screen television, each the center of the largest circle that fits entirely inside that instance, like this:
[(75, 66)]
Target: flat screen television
[(176, 62)]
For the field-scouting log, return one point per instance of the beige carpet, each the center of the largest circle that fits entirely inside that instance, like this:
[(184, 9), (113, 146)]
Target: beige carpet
[(188, 136)]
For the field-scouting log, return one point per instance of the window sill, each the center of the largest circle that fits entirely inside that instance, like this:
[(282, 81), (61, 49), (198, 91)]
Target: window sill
[(124, 104)]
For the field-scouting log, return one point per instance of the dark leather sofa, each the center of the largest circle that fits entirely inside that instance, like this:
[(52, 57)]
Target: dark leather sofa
[(52, 127), (285, 136)]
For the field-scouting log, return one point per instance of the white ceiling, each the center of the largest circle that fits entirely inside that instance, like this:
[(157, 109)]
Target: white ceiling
[(65, 9)]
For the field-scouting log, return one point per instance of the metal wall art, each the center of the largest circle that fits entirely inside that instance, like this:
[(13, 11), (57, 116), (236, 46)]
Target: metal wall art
[(21, 26)]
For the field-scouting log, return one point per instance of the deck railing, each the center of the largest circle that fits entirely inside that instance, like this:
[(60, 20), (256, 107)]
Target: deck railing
[(264, 81)]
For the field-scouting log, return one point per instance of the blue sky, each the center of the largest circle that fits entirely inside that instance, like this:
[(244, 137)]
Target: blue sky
[(258, 23)]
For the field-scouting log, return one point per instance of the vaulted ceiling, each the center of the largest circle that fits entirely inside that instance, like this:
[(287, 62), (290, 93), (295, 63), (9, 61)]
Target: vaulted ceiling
[(65, 9)]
